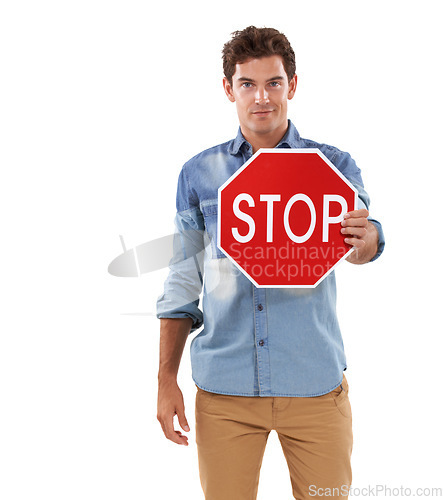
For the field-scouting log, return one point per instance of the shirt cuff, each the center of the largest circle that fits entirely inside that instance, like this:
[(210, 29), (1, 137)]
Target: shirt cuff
[(381, 238), (190, 310)]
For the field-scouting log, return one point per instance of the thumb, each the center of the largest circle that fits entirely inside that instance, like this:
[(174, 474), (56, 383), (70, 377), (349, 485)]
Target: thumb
[(182, 419)]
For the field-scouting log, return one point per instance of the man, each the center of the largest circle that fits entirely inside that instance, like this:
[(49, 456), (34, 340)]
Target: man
[(267, 359)]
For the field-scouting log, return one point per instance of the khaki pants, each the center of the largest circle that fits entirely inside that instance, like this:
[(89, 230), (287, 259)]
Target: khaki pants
[(315, 434)]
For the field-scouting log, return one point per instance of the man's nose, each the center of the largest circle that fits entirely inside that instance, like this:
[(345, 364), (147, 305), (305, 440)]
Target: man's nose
[(261, 96)]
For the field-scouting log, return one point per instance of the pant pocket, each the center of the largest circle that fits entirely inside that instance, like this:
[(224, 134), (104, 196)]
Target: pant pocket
[(341, 398), (203, 399)]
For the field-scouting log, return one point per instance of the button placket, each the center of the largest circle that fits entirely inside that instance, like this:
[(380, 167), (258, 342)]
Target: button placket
[(261, 337)]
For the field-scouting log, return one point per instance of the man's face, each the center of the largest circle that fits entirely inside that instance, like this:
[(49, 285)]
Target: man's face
[(261, 90)]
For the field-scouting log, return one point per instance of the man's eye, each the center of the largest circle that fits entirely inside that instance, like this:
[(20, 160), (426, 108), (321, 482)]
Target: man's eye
[(274, 84), (247, 85)]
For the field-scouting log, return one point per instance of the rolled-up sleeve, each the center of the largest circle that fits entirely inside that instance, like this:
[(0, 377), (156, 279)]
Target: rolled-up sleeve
[(182, 288)]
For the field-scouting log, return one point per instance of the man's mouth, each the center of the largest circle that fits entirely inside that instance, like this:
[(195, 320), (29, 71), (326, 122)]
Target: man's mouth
[(262, 112)]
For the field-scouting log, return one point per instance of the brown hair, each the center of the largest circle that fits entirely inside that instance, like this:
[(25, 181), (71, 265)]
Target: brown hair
[(254, 43)]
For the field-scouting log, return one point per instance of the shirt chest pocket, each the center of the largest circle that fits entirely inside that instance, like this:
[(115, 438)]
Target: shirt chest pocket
[(209, 209)]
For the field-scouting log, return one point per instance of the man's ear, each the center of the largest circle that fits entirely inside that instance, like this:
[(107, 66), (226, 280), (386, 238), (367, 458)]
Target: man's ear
[(292, 87), (228, 89)]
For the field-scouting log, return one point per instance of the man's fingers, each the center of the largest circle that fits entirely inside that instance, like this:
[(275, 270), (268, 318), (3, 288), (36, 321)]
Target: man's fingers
[(361, 212), (182, 418), (355, 242), (360, 221), (360, 232), (169, 431), (182, 437)]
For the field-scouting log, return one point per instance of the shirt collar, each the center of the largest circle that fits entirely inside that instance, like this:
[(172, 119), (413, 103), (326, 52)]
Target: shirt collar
[(291, 140)]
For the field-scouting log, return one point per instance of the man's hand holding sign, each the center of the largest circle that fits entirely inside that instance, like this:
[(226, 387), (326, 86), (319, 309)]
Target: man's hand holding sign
[(361, 234)]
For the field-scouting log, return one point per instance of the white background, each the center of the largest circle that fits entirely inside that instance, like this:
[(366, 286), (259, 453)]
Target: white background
[(101, 104)]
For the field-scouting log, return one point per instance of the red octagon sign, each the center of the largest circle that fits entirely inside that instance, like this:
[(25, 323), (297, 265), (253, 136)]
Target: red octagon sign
[(279, 217)]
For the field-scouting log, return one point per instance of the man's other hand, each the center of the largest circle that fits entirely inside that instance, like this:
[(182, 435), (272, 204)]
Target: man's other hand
[(170, 403)]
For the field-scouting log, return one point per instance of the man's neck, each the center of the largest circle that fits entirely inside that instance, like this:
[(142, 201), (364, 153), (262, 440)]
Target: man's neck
[(266, 140)]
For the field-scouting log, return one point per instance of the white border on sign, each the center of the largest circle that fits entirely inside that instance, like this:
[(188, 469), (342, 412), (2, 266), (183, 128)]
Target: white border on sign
[(284, 151)]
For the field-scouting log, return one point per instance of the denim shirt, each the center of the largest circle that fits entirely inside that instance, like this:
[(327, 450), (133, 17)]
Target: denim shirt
[(254, 341)]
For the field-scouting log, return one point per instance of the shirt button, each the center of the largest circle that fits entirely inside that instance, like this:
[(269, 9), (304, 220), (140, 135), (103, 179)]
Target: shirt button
[(260, 307), (261, 343)]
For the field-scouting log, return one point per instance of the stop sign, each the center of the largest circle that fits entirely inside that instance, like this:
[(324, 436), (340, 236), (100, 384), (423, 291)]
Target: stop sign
[(279, 217)]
